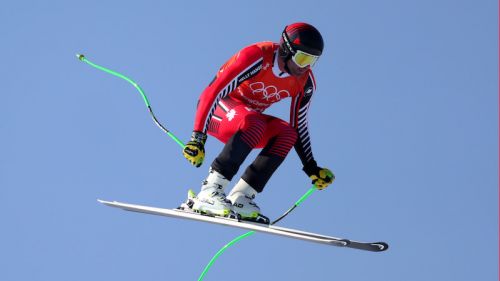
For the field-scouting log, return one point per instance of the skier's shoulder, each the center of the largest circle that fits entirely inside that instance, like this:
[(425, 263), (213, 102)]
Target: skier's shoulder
[(267, 46), (310, 75), (257, 50), (311, 80), (307, 83)]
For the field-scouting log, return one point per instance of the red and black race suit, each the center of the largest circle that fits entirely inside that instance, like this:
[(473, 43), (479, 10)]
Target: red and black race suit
[(231, 109)]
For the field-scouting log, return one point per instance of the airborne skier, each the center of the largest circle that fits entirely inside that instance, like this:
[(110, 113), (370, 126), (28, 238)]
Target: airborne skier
[(231, 109)]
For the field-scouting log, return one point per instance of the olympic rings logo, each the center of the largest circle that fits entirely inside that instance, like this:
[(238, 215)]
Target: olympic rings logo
[(268, 92)]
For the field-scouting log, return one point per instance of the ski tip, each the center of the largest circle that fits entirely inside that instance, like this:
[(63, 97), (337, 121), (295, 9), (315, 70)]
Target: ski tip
[(382, 246), (104, 202)]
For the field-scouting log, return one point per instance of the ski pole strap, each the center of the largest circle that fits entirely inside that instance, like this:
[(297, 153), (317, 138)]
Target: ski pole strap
[(237, 239), (144, 97)]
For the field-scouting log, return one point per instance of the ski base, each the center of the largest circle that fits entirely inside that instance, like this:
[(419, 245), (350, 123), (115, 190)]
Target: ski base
[(265, 228)]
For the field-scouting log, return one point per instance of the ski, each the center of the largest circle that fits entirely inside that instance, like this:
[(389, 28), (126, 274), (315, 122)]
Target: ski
[(270, 229)]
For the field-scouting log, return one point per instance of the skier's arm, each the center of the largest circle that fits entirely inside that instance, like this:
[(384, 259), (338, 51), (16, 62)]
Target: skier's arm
[(243, 65), (240, 67), (299, 120), (321, 177)]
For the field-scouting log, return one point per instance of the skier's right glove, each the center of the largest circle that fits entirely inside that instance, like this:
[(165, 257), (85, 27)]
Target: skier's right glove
[(194, 151), (321, 177)]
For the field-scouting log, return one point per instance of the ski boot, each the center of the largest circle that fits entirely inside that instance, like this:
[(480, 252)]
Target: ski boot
[(241, 197), (211, 200), (213, 203), (248, 210), (210, 206)]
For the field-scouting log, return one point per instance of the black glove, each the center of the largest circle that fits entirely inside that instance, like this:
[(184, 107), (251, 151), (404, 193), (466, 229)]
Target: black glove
[(194, 151)]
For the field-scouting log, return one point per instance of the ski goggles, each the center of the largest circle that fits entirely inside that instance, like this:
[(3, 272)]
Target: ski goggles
[(300, 58), (303, 59)]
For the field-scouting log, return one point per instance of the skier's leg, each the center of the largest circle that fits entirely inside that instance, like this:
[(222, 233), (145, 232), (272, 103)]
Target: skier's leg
[(279, 138), (246, 129), (247, 137)]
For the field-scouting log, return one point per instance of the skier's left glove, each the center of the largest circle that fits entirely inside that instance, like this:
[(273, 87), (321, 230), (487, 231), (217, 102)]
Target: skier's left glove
[(194, 151), (321, 177)]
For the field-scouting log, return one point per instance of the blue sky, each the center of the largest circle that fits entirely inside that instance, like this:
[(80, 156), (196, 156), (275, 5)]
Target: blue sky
[(406, 115)]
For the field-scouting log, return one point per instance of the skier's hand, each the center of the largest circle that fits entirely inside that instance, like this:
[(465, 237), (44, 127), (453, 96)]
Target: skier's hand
[(194, 151), (321, 177)]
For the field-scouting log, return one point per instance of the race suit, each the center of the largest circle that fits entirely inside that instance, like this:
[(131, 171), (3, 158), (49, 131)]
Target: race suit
[(231, 109)]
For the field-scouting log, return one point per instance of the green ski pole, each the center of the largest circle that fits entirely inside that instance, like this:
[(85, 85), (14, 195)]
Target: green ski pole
[(144, 97)]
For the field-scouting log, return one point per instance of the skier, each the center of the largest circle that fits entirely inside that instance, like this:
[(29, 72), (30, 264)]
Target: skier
[(231, 109)]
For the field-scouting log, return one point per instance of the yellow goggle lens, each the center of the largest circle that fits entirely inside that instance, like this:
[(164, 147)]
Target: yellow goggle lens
[(303, 59)]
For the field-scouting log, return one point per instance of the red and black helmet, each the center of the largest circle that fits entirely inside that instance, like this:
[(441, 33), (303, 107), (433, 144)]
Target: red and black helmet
[(300, 36)]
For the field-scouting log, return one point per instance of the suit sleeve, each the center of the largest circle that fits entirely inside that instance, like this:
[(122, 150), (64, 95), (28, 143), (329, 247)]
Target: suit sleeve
[(299, 120), (245, 64)]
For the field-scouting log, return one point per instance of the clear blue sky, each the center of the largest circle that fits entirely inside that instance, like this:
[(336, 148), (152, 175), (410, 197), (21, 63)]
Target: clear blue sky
[(406, 114)]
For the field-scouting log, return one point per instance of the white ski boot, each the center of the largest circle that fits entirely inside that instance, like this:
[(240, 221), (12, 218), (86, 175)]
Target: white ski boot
[(242, 197), (212, 200)]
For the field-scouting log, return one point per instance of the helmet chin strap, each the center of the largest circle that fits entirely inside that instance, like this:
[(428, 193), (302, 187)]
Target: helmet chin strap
[(287, 51), (286, 66)]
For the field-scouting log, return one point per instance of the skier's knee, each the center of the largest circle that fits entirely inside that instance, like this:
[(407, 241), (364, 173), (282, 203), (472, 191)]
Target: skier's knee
[(252, 129), (290, 133), (287, 135)]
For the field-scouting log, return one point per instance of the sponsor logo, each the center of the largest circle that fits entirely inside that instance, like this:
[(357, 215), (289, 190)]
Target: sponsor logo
[(230, 114), (269, 93), (250, 74), (308, 91), (259, 105), (238, 205)]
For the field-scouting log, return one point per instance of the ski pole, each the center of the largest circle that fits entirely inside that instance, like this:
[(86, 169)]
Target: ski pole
[(237, 239), (301, 199), (144, 97)]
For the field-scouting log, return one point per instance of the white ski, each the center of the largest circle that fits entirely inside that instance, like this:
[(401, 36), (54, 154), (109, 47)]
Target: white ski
[(271, 229)]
